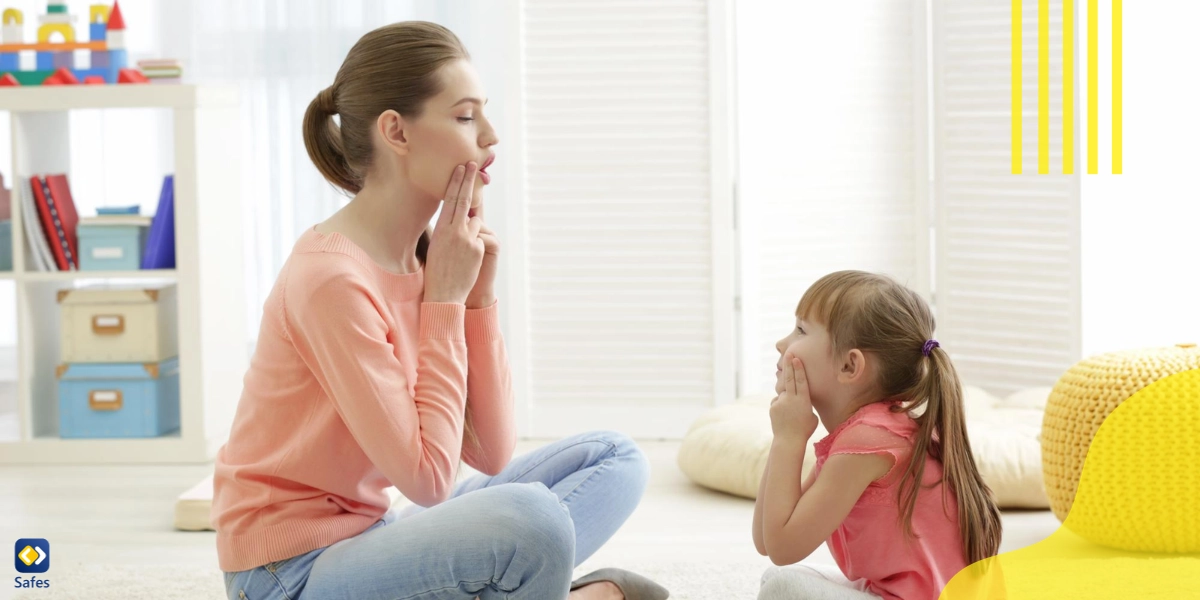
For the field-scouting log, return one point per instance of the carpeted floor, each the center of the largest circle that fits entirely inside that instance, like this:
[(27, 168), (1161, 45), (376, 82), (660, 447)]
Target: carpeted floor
[(686, 580), (111, 533)]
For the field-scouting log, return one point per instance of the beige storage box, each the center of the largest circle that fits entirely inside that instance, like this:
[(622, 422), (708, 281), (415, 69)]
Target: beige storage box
[(119, 324)]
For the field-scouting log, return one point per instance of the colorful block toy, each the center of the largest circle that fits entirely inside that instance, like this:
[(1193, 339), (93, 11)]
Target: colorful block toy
[(56, 59)]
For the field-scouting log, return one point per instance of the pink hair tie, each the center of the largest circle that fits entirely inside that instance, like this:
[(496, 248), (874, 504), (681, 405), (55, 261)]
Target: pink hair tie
[(929, 346)]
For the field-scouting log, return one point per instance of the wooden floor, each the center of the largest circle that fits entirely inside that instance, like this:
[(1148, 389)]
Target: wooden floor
[(122, 515)]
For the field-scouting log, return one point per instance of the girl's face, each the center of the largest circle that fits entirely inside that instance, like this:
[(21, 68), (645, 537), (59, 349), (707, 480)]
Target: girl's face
[(809, 341), (452, 130)]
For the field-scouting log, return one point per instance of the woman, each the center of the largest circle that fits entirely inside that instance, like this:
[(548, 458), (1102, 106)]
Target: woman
[(380, 362)]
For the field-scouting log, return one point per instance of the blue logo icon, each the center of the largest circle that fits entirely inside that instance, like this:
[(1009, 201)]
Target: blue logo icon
[(32, 555)]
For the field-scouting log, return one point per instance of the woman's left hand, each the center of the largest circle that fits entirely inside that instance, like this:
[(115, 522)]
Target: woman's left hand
[(483, 294), (792, 414)]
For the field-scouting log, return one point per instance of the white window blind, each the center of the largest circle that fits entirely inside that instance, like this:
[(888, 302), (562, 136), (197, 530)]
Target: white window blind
[(832, 167), (1007, 246), (624, 283)]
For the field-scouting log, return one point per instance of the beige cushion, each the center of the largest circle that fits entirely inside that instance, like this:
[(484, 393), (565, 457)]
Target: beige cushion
[(726, 449), (192, 506)]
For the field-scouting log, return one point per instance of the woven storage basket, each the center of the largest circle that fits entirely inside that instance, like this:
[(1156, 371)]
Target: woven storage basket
[(1141, 482)]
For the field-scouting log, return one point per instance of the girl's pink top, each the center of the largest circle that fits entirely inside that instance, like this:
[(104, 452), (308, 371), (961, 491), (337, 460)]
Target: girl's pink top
[(870, 543)]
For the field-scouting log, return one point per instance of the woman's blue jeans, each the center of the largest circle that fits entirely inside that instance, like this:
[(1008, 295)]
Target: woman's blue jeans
[(516, 535)]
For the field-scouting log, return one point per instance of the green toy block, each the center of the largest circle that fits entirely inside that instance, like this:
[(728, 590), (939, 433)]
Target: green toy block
[(31, 77)]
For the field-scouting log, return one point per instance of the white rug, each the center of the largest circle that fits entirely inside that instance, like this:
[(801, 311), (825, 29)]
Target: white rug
[(686, 580)]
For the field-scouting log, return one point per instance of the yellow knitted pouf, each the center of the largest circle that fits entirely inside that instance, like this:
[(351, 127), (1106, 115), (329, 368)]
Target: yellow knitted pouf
[(1140, 489)]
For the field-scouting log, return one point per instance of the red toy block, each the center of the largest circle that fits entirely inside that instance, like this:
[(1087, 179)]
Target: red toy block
[(9, 81), (63, 76), (131, 76), (92, 79)]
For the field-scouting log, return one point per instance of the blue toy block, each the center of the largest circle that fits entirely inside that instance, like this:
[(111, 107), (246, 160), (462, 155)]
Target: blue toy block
[(117, 60), (64, 59), (100, 59), (97, 32), (10, 61), (45, 61)]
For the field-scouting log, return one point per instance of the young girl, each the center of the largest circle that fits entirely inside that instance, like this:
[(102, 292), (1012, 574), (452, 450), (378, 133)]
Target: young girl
[(380, 362), (862, 360)]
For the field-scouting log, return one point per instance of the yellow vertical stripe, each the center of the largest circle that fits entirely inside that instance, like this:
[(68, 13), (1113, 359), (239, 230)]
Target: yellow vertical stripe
[(1068, 87), (1016, 87), (1116, 87), (1092, 168), (1043, 86)]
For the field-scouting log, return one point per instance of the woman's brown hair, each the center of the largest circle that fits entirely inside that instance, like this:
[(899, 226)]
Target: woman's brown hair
[(394, 67), (890, 322)]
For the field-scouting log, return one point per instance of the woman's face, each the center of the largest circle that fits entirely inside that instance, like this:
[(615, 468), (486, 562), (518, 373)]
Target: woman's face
[(452, 130)]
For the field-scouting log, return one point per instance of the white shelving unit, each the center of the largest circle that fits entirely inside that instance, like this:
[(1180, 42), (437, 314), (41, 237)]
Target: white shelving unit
[(208, 273)]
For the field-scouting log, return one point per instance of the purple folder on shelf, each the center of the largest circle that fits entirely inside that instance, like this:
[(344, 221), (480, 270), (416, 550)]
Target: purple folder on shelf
[(160, 243)]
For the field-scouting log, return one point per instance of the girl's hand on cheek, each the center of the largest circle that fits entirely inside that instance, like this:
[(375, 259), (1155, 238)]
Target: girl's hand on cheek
[(792, 414)]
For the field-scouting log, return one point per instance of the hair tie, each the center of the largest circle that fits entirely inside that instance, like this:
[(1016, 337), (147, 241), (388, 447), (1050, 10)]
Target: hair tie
[(929, 346), (326, 100)]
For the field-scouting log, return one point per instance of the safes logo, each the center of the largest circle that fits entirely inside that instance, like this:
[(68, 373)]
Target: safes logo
[(31, 555)]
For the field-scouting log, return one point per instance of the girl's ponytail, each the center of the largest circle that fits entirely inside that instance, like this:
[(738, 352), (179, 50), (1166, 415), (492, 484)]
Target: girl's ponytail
[(943, 433), (323, 140)]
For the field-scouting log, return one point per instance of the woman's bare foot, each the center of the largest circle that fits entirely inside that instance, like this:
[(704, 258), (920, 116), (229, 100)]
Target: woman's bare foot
[(601, 590)]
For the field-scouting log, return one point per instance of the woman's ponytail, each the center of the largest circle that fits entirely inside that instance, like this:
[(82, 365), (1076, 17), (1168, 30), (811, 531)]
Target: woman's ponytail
[(323, 140)]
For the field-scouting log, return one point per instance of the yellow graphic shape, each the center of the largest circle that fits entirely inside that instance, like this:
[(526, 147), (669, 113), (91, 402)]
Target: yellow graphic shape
[(1083, 398), (28, 555), (13, 16), (1132, 529)]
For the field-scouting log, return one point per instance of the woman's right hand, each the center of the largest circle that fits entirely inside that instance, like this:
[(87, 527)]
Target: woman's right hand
[(455, 249)]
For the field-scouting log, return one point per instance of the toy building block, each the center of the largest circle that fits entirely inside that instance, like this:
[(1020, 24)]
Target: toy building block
[(64, 60), (14, 26), (131, 76), (118, 59), (97, 22), (46, 30), (115, 34), (56, 44), (9, 81), (62, 76)]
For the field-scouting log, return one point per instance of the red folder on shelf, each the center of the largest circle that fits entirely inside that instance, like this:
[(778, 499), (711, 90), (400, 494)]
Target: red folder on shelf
[(56, 211)]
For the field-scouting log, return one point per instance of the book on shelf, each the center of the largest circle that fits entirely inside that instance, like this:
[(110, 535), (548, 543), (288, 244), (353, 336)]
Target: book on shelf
[(160, 243), (61, 229), (53, 213), (40, 254)]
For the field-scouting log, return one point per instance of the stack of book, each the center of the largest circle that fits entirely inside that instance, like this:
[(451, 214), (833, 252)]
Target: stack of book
[(161, 70)]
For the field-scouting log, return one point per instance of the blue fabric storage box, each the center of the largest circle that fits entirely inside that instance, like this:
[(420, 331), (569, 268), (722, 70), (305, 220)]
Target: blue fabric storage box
[(117, 400), (6, 245), (111, 247)]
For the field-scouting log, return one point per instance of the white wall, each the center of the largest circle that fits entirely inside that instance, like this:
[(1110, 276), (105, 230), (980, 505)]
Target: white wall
[(831, 169), (1141, 229)]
